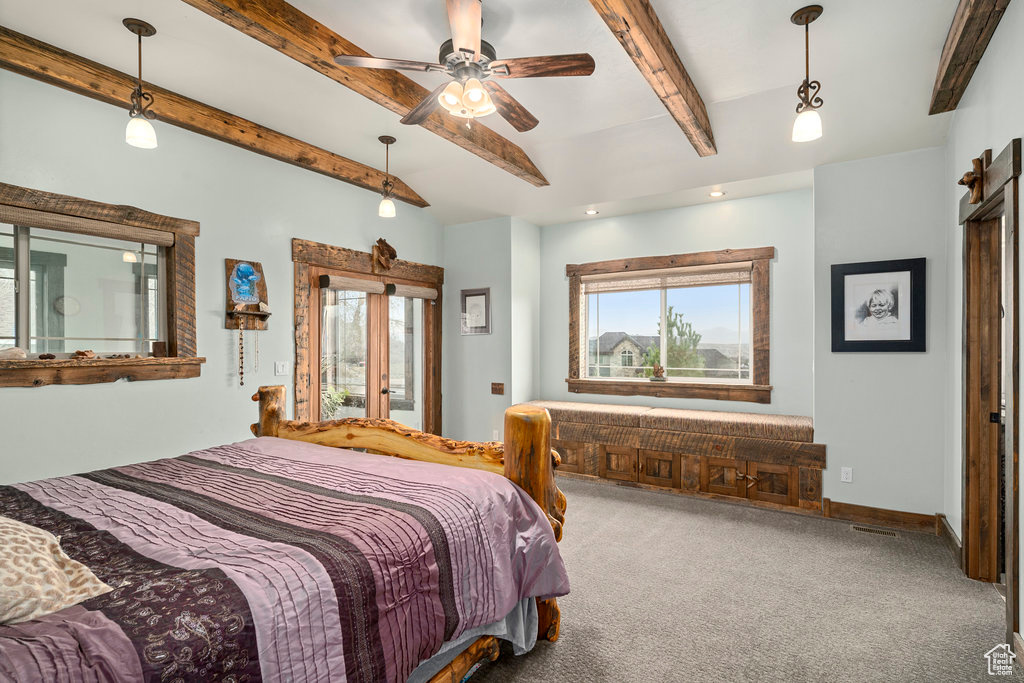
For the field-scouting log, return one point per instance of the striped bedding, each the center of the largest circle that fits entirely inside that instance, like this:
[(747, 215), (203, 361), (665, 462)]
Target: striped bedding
[(277, 560)]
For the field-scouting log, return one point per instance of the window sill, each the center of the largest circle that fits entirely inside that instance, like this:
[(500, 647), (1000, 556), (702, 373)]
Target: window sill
[(752, 393), (38, 373)]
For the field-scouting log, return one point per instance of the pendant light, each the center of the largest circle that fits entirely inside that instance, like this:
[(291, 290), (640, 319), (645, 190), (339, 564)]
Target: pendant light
[(139, 132), (387, 205), (807, 126)]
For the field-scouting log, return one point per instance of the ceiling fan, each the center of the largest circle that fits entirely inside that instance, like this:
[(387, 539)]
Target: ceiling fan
[(471, 62)]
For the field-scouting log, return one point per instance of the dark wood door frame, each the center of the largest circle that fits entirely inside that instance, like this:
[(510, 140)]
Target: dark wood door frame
[(312, 260), (994, 189)]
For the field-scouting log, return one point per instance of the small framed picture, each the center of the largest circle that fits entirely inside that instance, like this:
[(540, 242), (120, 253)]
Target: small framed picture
[(476, 311), (879, 306)]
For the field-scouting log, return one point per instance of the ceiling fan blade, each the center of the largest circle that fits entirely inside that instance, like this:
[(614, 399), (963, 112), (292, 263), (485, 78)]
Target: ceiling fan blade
[(425, 108), (534, 67), (378, 63), (465, 18), (510, 109)]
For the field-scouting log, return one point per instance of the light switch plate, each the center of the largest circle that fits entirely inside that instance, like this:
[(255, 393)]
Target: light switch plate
[(280, 367)]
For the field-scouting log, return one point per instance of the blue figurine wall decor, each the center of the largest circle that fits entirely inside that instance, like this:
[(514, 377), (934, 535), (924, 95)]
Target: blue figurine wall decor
[(247, 308)]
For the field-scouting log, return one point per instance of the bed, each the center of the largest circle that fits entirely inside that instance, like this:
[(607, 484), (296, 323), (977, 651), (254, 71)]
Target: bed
[(283, 558)]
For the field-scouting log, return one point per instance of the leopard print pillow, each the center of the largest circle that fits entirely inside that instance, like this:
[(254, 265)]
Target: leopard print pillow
[(36, 577)]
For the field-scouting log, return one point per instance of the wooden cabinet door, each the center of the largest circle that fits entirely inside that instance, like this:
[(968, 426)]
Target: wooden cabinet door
[(724, 476), (571, 453), (618, 462), (659, 468), (773, 483)]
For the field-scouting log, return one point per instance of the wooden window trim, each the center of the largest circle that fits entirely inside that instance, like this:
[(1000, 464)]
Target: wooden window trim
[(313, 259), (758, 391), (177, 235)]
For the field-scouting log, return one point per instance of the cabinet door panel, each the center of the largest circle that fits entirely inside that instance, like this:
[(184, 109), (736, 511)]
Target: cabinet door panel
[(724, 476), (571, 453), (773, 483), (618, 462), (659, 468)]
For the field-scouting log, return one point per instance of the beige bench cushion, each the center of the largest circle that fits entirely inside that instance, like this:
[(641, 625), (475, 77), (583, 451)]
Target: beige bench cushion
[(754, 425), (593, 413)]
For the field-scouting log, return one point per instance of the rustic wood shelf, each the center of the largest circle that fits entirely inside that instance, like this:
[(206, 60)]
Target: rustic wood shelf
[(38, 373)]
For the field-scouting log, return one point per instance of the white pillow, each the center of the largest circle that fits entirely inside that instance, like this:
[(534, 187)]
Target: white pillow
[(37, 577)]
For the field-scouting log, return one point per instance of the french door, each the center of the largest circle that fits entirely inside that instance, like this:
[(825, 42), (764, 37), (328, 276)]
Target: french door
[(372, 339)]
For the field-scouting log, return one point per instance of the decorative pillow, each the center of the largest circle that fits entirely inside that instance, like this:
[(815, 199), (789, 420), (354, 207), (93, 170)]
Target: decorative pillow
[(36, 577)]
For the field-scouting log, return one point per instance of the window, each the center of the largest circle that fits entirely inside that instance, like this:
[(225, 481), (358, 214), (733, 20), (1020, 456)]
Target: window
[(701, 318), (79, 275), (83, 293)]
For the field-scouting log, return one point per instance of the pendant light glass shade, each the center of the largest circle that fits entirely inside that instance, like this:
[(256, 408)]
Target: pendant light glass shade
[(140, 133), (473, 95), (452, 96), (807, 126), (386, 208)]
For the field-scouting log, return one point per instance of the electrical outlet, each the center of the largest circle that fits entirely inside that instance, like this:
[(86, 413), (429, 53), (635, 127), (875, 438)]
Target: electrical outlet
[(495, 436), (846, 474), (280, 367)]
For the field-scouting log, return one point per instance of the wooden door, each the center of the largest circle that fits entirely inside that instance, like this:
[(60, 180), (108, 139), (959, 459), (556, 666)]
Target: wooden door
[(618, 462), (773, 483), (659, 468), (373, 354), (982, 398), (724, 476)]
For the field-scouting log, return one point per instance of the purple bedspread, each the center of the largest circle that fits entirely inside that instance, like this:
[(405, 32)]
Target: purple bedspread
[(277, 560)]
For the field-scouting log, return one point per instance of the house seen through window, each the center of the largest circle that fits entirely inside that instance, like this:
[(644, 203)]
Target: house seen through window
[(62, 291), (694, 322)]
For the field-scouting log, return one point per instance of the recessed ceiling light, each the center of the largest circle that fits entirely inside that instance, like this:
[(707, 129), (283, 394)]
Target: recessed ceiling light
[(591, 212), (716, 194)]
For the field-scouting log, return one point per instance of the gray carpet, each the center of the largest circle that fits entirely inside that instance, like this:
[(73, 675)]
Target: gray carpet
[(670, 588)]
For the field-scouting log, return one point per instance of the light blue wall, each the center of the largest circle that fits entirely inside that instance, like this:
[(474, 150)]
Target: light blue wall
[(780, 220), (882, 413), (248, 206), (476, 255)]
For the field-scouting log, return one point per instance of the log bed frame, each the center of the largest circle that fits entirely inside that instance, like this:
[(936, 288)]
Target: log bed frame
[(526, 458)]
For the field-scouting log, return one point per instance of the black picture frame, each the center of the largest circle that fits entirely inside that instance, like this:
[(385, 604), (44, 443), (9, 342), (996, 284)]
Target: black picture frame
[(468, 316), (894, 277)]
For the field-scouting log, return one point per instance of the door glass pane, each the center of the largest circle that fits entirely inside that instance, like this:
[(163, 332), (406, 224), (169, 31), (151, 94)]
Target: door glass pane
[(405, 332), (343, 355), (6, 286)]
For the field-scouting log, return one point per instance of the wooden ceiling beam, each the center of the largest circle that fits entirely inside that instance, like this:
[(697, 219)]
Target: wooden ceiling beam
[(973, 25), (291, 32), (641, 34), (30, 57)]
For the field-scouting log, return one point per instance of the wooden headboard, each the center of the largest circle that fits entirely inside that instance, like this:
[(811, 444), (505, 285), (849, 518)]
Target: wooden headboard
[(526, 456)]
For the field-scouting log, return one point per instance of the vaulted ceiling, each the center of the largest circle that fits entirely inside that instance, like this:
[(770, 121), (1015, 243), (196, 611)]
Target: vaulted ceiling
[(603, 141)]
